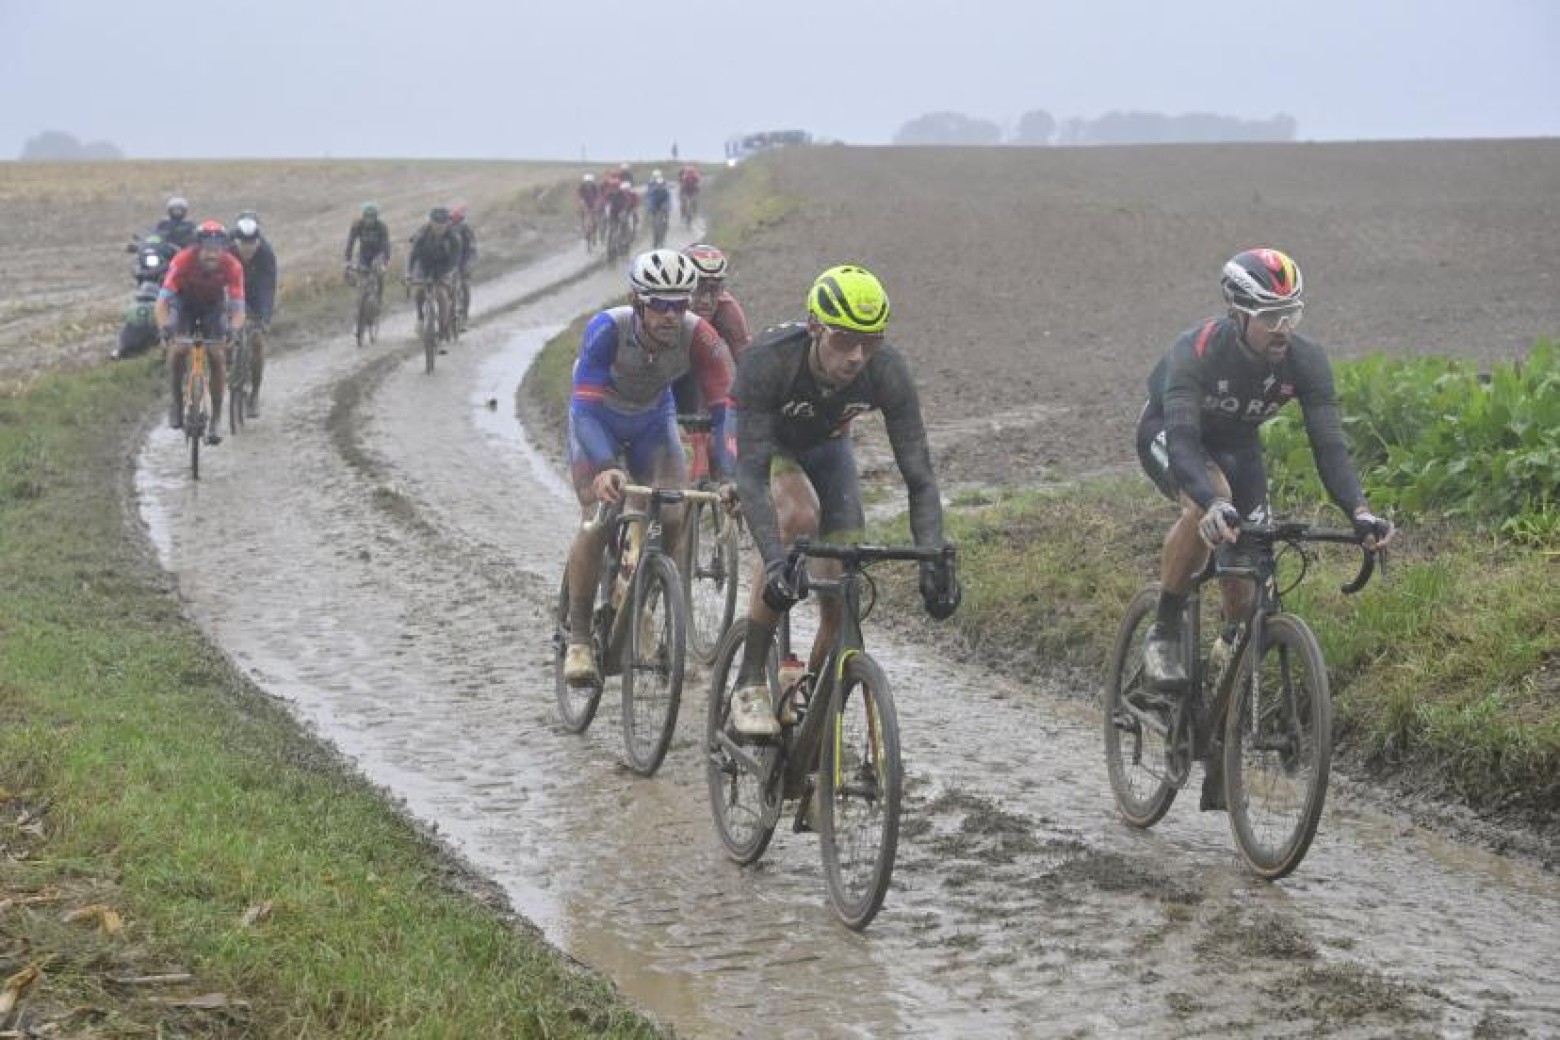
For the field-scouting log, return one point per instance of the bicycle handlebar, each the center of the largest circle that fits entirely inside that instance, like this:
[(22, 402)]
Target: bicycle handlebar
[(696, 423), (1295, 533), (667, 496), (856, 555)]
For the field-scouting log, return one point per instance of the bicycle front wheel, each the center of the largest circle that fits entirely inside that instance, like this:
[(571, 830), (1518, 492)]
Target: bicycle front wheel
[(653, 673), (429, 328), (1136, 749), (1278, 748), (576, 704), (744, 803), (859, 783), (710, 575)]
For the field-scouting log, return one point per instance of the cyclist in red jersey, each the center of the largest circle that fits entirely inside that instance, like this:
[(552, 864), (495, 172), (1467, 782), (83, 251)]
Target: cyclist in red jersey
[(202, 292), (712, 301), (688, 183)]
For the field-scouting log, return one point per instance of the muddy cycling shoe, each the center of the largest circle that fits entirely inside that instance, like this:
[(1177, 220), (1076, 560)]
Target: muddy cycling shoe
[(751, 713), (213, 439), (254, 407), (579, 666), (1162, 663), (176, 417)]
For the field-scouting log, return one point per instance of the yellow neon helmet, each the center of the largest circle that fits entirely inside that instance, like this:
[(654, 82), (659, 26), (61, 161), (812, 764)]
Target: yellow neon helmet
[(849, 297)]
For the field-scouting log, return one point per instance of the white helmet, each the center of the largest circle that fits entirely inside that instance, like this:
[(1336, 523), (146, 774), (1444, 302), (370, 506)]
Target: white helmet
[(177, 202), (655, 175), (663, 272), (589, 178)]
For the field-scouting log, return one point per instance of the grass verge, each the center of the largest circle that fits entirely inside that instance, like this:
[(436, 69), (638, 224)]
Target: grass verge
[(1448, 666), (160, 817)]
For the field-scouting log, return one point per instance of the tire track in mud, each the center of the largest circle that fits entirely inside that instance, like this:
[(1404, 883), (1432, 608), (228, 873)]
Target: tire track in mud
[(381, 550)]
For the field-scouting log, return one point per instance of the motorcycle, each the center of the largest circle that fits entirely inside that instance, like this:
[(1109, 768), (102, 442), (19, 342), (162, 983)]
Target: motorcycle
[(139, 331)]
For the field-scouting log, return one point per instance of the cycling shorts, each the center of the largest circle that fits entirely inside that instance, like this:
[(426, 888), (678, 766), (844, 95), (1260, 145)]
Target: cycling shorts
[(1242, 466), (209, 319), (646, 442), (831, 469)]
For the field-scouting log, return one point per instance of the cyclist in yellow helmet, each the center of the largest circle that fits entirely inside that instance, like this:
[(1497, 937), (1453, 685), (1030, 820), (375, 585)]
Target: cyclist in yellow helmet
[(798, 388)]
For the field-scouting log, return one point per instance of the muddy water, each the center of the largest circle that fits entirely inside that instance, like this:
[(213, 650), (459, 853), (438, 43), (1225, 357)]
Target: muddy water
[(380, 550)]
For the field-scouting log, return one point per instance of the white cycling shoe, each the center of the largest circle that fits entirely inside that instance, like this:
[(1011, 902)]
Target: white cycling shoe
[(751, 713), (579, 666)]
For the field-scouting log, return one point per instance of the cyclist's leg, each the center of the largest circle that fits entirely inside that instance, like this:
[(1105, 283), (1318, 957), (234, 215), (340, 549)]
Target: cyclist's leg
[(831, 470), (589, 541), (256, 365), (215, 322), (1248, 491), (178, 355), (655, 458)]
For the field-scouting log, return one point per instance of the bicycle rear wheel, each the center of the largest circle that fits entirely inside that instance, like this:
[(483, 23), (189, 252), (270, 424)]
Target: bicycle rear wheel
[(1278, 748), (576, 704), (653, 675), (1136, 749), (238, 384), (859, 783), (710, 572), (429, 329), (744, 804)]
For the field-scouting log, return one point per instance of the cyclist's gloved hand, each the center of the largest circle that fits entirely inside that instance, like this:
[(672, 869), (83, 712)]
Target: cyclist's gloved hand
[(1221, 523), (608, 486), (940, 591), (1377, 531), (728, 497), (781, 591)]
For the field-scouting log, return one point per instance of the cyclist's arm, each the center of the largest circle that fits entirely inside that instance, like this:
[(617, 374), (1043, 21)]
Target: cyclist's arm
[(1324, 428), (235, 291), (731, 323), (757, 408), (1183, 427), (352, 237), (592, 378), (712, 362), (907, 436)]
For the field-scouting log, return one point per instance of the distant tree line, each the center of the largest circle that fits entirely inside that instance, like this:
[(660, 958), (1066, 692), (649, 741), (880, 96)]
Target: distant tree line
[(1038, 127), (54, 146)]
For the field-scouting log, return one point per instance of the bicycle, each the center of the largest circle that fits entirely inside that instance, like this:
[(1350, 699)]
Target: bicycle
[(197, 399), (649, 654), (620, 236), (688, 207), (589, 227), (660, 220), (433, 317), (1262, 718), (711, 564), (238, 380), (841, 760), (461, 312), (370, 301)]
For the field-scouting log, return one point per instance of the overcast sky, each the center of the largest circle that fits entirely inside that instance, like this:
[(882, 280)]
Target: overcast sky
[(523, 79)]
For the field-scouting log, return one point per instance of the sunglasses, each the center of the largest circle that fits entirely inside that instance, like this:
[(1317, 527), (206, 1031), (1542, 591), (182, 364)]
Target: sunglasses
[(661, 305), (1275, 318)]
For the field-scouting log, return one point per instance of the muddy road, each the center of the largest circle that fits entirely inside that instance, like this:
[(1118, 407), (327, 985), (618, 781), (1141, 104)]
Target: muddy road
[(380, 551)]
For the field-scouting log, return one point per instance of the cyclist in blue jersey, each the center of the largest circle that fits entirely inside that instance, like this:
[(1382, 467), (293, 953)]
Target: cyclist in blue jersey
[(622, 416), (1198, 436)]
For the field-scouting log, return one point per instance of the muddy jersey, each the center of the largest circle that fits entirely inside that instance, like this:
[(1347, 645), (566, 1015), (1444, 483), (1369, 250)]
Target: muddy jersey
[(1213, 393), (193, 282), (434, 256), (259, 280), (782, 410), (373, 239), (616, 376)]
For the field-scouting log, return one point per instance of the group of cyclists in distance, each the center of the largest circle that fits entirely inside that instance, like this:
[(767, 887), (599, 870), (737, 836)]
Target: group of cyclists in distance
[(610, 203), (782, 406)]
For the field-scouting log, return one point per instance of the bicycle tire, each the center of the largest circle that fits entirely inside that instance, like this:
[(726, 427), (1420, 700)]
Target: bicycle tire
[(195, 415), (1142, 797), (429, 329), (862, 773), (744, 812), (576, 704), (650, 713), (238, 384), (1259, 766), (365, 307), (711, 572)]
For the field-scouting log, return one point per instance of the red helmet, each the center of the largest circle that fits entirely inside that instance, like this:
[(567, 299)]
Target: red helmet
[(211, 232), (709, 261)]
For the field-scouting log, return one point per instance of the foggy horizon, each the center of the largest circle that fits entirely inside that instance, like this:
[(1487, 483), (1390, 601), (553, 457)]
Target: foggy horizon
[(330, 80)]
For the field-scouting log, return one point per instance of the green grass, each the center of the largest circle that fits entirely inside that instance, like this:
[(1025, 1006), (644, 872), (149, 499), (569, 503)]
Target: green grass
[(172, 791)]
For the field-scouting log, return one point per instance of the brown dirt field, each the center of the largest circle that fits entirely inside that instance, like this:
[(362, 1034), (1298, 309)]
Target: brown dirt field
[(1035, 288), (65, 280)]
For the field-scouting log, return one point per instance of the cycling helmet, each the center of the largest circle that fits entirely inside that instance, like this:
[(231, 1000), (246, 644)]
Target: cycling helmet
[(707, 260), (589, 178), (655, 176), (439, 215), (246, 229), (211, 233), (663, 272), (1259, 278), (370, 209), (849, 297), (457, 213), (178, 202)]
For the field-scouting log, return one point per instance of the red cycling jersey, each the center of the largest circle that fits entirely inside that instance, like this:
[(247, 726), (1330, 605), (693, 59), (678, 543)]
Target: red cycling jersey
[(689, 178), (189, 278)]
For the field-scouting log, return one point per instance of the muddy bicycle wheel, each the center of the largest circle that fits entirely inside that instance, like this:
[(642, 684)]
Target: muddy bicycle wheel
[(1136, 749), (428, 327), (745, 808), (1278, 748), (576, 704), (710, 572), (653, 672), (859, 782)]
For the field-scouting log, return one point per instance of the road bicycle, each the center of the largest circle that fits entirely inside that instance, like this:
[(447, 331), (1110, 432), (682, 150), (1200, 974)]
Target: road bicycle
[(660, 220), (238, 379), (688, 206), (1260, 719), (370, 301), (837, 756), (620, 235), (434, 317), (197, 398), (638, 626), (711, 562)]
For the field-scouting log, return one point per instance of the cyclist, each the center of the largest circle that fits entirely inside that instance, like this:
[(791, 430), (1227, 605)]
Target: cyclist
[(259, 263), (625, 175), (622, 203), (204, 291), (622, 408), (658, 200), (688, 183), (797, 391), (371, 238), (468, 255), (1198, 437), (177, 227), (435, 252), (586, 198), (715, 305)]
